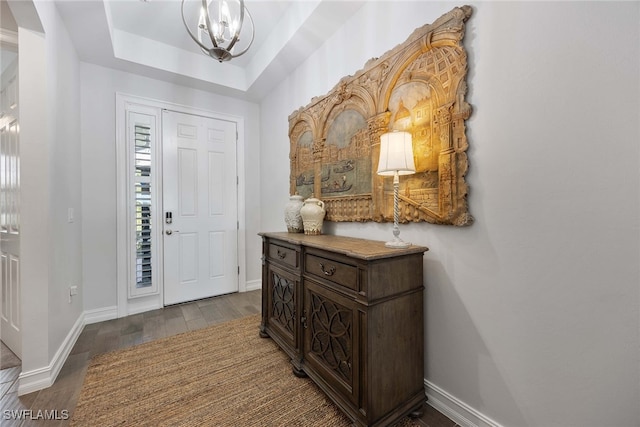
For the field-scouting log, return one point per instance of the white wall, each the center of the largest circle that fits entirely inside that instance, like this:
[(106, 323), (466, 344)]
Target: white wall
[(63, 103), (50, 179), (34, 201), (99, 87), (532, 313)]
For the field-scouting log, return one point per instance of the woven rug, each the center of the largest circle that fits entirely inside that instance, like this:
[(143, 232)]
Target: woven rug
[(223, 375)]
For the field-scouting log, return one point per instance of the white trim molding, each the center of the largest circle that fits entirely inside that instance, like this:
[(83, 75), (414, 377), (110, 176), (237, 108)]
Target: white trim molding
[(40, 378), (253, 285), (100, 314), (454, 408)]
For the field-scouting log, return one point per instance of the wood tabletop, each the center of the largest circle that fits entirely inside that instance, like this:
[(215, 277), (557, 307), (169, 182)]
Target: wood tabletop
[(350, 246)]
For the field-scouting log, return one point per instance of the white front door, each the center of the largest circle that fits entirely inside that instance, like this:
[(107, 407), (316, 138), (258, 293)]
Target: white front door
[(10, 235), (200, 209)]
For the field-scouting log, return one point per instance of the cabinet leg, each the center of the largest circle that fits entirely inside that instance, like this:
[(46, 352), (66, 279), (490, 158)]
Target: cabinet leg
[(298, 372), (263, 333), (417, 412)]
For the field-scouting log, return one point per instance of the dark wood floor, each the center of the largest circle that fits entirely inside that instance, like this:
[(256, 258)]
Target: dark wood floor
[(7, 358), (115, 334)]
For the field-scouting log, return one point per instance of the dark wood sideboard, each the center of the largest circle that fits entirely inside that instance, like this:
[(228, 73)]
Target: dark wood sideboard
[(349, 313)]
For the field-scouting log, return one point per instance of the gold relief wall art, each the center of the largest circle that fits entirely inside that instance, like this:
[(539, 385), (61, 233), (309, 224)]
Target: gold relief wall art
[(419, 87)]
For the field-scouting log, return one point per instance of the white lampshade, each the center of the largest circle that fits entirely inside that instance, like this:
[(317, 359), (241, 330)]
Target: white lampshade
[(396, 154)]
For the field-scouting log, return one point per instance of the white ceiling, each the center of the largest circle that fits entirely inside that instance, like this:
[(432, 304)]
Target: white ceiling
[(8, 48), (149, 38), (6, 17)]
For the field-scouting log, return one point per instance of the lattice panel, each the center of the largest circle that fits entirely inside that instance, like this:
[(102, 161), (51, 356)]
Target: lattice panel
[(331, 335), (283, 301)]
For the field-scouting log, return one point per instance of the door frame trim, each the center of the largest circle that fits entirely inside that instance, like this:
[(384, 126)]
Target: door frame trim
[(128, 306)]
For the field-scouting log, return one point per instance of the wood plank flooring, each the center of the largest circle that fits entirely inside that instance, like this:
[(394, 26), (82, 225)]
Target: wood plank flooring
[(7, 358), (128, 331)]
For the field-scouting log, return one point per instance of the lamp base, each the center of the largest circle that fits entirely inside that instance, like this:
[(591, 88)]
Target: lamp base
[(397, 244)]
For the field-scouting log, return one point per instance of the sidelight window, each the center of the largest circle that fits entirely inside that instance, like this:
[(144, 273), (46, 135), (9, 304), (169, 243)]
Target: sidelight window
[(142, 143)]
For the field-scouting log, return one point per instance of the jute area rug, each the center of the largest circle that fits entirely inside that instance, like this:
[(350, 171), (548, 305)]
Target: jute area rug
[(223, 375)]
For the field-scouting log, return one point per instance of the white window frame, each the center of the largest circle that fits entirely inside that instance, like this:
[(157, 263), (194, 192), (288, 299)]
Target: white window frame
[(130, 114), (149, 119), (132, 300)]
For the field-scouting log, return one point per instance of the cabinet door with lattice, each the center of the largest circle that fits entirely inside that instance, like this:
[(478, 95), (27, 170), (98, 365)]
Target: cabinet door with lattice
[(331, 325), (281, 306)]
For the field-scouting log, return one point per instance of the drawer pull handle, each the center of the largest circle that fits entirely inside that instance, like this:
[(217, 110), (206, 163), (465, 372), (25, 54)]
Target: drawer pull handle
[(281, 254), (329, 272)]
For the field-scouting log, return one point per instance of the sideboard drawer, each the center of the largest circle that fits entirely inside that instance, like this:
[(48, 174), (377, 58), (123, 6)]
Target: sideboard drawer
[(284, 255), (334, 271)]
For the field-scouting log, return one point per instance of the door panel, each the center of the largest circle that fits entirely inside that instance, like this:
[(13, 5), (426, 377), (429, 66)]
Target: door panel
[(330, 346), (282, 291), (188, 264), (10, 235), (216, 254), (200, 193), (188, 181), (216, 181)]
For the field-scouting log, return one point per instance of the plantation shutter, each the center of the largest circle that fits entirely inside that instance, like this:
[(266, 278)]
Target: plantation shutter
[(144, 250)]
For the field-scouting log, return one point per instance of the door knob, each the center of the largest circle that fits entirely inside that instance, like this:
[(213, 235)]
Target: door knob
[(170, 232)]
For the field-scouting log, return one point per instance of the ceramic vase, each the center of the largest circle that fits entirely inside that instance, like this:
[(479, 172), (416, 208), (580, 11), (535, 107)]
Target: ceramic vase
[(312, 213), (292, 214)]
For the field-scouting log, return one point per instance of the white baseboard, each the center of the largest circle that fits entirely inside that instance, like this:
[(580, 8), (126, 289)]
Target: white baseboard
[(141, 305), (100, 314), (254, 285), (40, 378), (458, 411), (35, 380)]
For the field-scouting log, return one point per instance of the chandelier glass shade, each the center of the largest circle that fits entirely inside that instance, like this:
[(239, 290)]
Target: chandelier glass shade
[(217, 27)]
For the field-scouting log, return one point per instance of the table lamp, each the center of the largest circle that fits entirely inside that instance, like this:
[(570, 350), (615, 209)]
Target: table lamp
[(396, 158)]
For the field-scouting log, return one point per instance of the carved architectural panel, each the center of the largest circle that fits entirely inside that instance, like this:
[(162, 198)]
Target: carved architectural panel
[(418, 87)]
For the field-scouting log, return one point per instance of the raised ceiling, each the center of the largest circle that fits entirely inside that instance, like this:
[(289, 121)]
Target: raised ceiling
[(148, 38)]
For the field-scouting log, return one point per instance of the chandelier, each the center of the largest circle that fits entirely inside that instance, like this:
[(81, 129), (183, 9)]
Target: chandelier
[(216, 26)]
